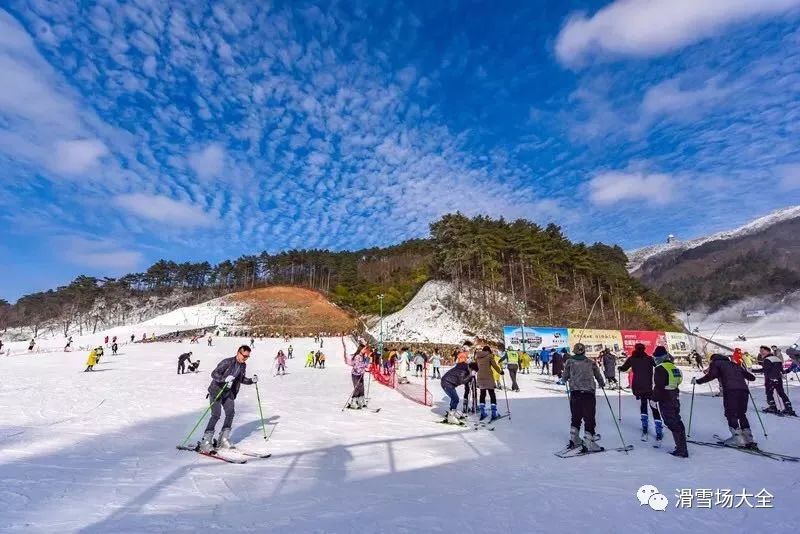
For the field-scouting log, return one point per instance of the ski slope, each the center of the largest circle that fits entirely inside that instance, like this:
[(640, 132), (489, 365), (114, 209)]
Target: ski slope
[(95, 452)]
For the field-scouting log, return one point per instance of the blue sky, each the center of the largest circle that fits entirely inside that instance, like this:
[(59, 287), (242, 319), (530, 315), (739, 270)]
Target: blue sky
[(133, 131)]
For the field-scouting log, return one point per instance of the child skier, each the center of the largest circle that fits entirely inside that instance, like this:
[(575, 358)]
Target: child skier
[(360, 363), (772, 367), (309, 359), (583, 376), (419, 363), (436, 363), (91, 361), (735, 395), (322, 360), (666, 379), (460, 375), (226, 379), (281, 360), (642, 366), (193, 366), (182, 359), (486, 383)]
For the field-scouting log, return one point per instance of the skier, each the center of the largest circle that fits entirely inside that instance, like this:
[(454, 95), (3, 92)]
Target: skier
[(402, 365), (31, 344), (544, 358), (609, 361), (583, 377), (667, 378), (309, 359), (735, 395), (91, 361), (281, 360), (460, 375), (642, 366), (105, 342), (419, 363), (114, 348), (252, 342), (524, 363), (511, 357), (99, 352), (360, 363), (289, 352), (436, 363), (210, 340), (132, 337), (226, 379), (67, 347), (193, 366), (698, 360), (486, 383), (182, 359), (558, 362), (322, 360), (772, 367)]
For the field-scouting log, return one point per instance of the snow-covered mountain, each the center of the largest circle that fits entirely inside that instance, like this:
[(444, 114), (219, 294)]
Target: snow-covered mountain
[(639, 256)]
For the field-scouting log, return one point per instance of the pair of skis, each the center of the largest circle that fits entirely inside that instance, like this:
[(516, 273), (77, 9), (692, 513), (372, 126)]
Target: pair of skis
[(719, 444), (217, 454), (477, 425), (574, 452)]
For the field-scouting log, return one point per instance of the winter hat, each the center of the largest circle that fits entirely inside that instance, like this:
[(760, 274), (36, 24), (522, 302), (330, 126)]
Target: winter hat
[(579, 348), (660, 354)]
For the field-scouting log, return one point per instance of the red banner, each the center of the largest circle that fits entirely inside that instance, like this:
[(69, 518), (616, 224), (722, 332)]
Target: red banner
[(649, 339)]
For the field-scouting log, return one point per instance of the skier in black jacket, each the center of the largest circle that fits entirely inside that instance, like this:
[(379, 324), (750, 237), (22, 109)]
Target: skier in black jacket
[(182, 359), (225, 382), (666, 381), (735, 395), (642, 365), (772, 367), (460, 375)]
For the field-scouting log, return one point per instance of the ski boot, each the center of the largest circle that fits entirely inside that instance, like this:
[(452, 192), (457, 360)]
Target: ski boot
[(362, 401), (771, 409), (681, 450), (482, 408), (494, 412), (224, 440), (206, 444), (645, 420), (736, 439), (787, 410), (452, 418), (590, 443), (747, 438), (459, 415), (659, 431), (575, 440)]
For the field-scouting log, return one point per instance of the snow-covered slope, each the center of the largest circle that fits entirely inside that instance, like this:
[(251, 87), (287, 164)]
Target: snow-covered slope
[(221, 311), (636, 258), (95, 452), (428, 318)]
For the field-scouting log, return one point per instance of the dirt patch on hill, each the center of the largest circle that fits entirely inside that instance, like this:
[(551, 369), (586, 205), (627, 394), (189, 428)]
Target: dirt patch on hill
[(292, 310)]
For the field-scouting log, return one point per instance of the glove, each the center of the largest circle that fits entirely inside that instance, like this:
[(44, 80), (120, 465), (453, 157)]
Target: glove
[(653, 405), (502, 373), (254, 379), (694, 380), (619, 368), (560, 382), (229, 379)]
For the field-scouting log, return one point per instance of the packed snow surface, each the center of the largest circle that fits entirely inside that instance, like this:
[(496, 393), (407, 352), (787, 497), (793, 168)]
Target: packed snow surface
[(636, 258), (428, 318), (95, 452)]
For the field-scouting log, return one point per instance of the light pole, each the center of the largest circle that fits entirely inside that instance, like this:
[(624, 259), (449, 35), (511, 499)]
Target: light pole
[(380, 341), (521, 310)]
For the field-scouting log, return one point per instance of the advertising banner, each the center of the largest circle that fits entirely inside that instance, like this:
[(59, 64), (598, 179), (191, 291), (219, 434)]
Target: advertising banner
[(536, 337), (649, 339), (679, 344), (596, 340)]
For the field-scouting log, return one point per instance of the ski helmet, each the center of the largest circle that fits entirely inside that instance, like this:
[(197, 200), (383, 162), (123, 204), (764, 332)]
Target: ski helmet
[(579, 348)]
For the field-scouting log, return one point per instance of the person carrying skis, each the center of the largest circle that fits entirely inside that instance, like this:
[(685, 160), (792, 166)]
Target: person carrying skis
[(583, 376), (511, 357), (772, 367), (487, 366), (666, 379), (360, 363), (182, 359), (735, 395), (91, 361), (544, 358), (609, 361), (642, 366), (436, 363), (460, 375), (226, 379), (281, 362)]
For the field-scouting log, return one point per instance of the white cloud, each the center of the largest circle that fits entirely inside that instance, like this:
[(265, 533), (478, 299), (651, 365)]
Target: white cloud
[(208, 162), (97, 253), (617, 186), (165, 210), (673, 99), (77, 156), (789, 176), (647, 28)]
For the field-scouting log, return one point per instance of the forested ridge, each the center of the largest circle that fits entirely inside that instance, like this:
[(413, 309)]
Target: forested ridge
[(548, 278)]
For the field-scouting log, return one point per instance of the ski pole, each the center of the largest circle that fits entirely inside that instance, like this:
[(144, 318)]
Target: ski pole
[(763, 428), (619, 394), (691, 410), (505, 392), (610, 409), (183, 443), (260, 412), (369, 381)]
